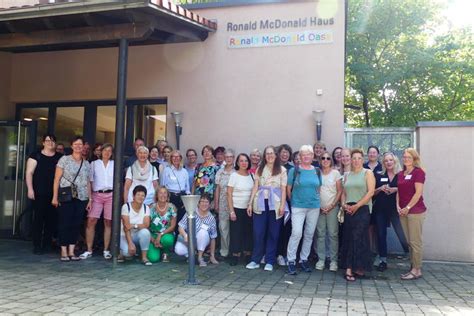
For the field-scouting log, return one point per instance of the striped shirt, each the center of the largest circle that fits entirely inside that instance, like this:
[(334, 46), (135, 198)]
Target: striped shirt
[(207, 222)]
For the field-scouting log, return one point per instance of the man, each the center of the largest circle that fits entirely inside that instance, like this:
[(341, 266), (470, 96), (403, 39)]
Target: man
[(60, 148), (138, 142)]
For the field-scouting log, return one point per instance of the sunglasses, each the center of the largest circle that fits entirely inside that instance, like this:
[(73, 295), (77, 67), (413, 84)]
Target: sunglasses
[(325, 158)]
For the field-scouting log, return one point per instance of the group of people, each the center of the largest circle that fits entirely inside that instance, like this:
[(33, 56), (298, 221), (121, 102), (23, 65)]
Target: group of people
[(271, 207)]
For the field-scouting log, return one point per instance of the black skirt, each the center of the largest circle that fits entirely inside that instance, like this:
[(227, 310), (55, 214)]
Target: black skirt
[(355, 241)]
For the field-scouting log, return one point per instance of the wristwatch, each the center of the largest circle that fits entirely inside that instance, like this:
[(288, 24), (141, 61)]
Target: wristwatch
[(135, 226)]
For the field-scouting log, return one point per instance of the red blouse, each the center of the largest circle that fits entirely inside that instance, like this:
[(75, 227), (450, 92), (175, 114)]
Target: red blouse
[(406, 190)]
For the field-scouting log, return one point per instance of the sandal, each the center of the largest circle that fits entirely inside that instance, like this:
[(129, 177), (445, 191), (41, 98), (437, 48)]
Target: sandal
[(165, 258), (410, 276), (147, 263), (120, 259), (107, 255), (349, 277), (74, 258), (64, 259), (213, 260), (86, 255)]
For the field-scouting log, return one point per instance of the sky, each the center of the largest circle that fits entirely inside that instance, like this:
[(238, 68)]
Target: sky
[(460, 12)]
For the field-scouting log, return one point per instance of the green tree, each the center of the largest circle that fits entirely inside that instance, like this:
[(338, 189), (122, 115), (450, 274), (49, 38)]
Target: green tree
[(399, 71)]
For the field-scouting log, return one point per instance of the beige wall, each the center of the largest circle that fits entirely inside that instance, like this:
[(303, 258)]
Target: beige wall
[(447, 155), (243, 98), (7, 110)]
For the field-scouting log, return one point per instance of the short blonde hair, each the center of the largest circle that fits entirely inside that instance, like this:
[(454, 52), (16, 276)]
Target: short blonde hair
[(306, 148), (142, 148)]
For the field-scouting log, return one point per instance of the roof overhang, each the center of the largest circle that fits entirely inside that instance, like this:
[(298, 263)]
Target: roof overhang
[(93, 24)]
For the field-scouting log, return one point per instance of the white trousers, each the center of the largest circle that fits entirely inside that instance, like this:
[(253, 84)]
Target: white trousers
[(140, 238), (307, 217), (202, 241)]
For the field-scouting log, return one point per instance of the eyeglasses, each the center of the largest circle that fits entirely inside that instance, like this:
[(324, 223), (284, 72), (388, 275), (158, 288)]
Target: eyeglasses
[(49, 141), (325, 158)]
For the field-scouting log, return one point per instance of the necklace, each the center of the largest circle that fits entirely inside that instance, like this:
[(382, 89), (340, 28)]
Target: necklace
[(161, 210)]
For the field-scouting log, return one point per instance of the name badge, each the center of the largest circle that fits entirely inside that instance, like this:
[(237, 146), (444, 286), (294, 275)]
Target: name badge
[(156, 221), (204, 226), (384, 179), (408, 177)]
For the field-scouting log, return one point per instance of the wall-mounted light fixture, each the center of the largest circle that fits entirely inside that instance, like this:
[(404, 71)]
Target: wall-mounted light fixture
[(318, 118), (178, 118)]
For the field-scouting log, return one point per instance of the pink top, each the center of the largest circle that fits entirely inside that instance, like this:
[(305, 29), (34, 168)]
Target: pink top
[(406, 190)]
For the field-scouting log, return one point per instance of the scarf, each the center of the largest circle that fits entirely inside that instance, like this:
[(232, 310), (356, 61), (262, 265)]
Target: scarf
[(139, 173)]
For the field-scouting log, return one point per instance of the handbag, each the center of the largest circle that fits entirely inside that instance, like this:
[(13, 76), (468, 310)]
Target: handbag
[(66, 194)]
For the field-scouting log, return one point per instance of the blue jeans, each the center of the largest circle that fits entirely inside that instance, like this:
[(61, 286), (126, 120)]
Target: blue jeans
[(383, 218), (266, 230)]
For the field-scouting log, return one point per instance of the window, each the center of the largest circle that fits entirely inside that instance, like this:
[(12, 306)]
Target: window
[(69, 123), (41, 116)]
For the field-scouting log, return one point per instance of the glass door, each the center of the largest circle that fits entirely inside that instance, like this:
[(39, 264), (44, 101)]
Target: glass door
[(17, 139)]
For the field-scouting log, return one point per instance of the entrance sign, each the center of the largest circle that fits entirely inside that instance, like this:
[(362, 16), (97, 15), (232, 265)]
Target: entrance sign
[(307, 37)]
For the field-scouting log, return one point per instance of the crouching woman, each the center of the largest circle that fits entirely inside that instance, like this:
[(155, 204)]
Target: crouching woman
[(206, 232), (135, 223)]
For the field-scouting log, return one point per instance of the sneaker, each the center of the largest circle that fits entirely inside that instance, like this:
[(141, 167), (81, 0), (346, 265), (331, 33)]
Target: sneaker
[(382, 266), (319, 265), (268, 267), (263, 260), (333, 266), (252, 265), (377, 261), (86, 255), (202, 263), (281, 261), (304, 266), (292, 268)]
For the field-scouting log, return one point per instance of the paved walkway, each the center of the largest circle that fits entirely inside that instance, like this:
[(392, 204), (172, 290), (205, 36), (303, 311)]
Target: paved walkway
[(37, 285)]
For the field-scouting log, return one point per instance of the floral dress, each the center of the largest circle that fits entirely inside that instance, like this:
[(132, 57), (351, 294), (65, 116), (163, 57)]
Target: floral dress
[(205, 179), (160, 223)]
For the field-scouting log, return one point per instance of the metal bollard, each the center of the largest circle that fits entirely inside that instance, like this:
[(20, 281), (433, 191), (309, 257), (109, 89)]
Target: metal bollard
[(190, 204)]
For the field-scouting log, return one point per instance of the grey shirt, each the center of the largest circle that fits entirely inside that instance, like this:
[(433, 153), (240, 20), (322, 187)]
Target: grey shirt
[(70, 168)]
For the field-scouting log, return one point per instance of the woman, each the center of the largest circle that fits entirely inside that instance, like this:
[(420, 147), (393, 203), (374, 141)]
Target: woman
[(255, 158), (412, 209), (318, 148), (239, 190), (206, 232), (219, 155), (359, 187), (102, 183), (205, 176), (331, 191), (135, 223), (141, 173), (154, 156), (385, 207), (336, 158), (373, 162), (346, 161), (268, 203), (303, 191), (284, 153), (161, 144), (162, 227), (40, 168), (220, 201), (166, 152), (175, 179), (191, 163), (296, 158), (72, 179), (376, 167)]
